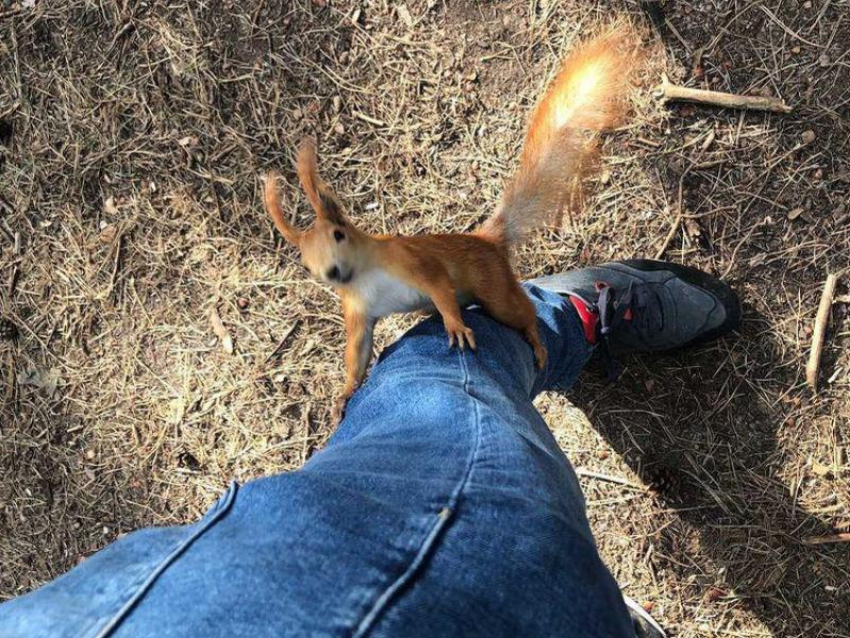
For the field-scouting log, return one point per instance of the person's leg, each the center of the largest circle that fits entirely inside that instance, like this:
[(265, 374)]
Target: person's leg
[(442, 506)]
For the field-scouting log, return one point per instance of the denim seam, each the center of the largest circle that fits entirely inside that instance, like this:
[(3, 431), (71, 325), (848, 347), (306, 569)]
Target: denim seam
[(222, 507), (429, 544)]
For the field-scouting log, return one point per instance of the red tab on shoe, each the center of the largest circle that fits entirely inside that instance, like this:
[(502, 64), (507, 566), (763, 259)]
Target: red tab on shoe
[(589, 319)]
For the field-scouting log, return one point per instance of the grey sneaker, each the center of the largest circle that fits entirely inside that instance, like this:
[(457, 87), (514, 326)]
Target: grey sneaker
[(642, 305), (644, 624)]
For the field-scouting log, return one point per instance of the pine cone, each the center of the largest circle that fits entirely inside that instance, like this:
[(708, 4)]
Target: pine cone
[(662, 479)]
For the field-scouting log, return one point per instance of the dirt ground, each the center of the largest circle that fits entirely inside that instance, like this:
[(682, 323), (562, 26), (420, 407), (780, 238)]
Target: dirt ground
[(132, 135)]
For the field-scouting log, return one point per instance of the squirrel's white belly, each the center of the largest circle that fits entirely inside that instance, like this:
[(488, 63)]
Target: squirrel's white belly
[(384, 294)]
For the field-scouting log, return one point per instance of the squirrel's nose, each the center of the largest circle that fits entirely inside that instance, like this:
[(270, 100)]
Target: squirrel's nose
[(333, 273)]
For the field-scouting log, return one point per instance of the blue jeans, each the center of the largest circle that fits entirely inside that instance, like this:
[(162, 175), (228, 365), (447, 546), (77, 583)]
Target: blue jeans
[(441, 507)]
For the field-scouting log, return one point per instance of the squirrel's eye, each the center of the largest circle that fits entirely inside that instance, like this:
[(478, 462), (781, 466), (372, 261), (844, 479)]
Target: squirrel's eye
[(339, 235)]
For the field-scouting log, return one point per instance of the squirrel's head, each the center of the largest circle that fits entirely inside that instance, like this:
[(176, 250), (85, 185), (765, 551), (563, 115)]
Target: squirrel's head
[(332, 249)]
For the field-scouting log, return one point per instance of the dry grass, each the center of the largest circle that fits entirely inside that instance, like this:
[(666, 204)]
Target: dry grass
[(131, 139)]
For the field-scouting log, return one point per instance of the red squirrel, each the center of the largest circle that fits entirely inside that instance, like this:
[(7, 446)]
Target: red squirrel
[(378, 275)]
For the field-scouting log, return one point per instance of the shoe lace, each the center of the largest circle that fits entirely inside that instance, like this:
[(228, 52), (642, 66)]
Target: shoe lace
[(646, 314)]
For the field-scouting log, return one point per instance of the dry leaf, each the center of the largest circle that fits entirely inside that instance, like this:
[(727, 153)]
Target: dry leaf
[(220, 331), (109, 206), (404, 14), (45, 380), (820, 469), (108, 233), (693, 229), (758, 260)]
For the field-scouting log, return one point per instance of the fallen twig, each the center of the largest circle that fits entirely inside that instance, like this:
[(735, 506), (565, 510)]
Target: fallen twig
[(282, 343), (821, 321), (844, 537), (668, 92), (366, 118), (580, 471), (673, 230)]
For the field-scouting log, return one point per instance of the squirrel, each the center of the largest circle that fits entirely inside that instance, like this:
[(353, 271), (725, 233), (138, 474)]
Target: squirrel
[(378, 275)]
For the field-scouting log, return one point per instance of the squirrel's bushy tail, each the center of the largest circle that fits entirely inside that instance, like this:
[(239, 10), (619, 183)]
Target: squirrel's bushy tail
[(589, 95)]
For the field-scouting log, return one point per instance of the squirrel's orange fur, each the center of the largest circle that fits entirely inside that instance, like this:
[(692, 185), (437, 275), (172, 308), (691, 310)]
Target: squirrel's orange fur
[(378, 275)]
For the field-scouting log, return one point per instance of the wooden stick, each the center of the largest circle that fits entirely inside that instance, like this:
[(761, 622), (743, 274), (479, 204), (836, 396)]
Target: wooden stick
[(821, 321), (670, 235), (580, 471), (282, 343), (825, 540), (366, 118), (668, 92)]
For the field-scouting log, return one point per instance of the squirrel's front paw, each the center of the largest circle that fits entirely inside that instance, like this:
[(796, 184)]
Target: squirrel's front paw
[(338, 411), (460, 333), (540, 355)]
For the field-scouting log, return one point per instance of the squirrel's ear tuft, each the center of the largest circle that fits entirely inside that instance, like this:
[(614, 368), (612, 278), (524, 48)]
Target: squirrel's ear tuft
[(272, 200), (322, 198)]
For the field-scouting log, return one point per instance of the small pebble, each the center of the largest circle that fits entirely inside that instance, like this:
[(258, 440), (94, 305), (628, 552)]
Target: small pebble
[(808, 137)]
